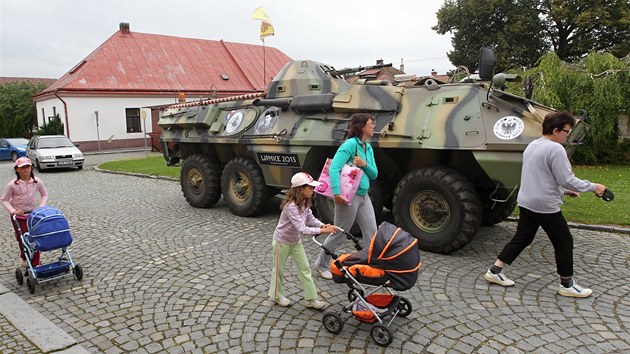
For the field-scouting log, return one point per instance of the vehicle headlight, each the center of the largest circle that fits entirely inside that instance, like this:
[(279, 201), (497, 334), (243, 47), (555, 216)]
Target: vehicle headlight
[(77, 156), (48, 158)]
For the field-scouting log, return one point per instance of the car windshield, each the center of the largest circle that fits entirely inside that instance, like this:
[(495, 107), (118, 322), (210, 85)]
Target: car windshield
[(49, 143), (17, 141)]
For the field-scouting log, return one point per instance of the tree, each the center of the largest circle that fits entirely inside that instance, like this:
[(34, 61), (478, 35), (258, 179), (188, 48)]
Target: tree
[(17, 109), (521, 31)]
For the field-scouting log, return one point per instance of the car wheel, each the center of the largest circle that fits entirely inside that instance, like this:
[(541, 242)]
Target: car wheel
[(14, 156), (37, 166)]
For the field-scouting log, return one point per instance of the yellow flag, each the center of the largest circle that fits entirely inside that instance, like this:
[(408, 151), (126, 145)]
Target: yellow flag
[(266, 28)]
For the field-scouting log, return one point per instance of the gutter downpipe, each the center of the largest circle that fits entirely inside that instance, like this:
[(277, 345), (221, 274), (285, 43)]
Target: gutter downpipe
[(65, 110)]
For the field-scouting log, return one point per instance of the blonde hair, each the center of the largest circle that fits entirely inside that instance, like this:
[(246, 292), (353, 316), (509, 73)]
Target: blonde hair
[(294, 195)]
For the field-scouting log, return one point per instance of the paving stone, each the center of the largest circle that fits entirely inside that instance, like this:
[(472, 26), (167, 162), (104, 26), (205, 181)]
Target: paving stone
[(164, 277)]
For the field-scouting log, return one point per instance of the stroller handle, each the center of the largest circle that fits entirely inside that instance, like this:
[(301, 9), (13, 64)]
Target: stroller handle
[(349, 236)]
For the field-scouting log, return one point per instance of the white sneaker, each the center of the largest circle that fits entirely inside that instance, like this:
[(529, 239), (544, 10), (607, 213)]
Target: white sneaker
[(500, 278), (315, 304), (326, 274), (574, 291), (282, 301)]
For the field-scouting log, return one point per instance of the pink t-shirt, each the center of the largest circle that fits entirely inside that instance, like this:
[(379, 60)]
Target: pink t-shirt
[(23, 195)]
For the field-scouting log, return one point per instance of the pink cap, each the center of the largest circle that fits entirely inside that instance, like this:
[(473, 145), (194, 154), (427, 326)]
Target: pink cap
[(23, 161), (303, 178)]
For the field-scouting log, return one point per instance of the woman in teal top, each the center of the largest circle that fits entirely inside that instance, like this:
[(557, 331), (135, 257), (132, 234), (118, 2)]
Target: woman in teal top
[(356, 150)]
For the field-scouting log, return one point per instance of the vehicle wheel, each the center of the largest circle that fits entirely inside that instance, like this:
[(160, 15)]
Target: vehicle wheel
[(30, 283), (243, 187), (80, 167), (200, 179), (37, 166), (404, 307), (494, 213), (332, 322), (78, 271), (14, 156), (376, 197), (19, 277), (438, 206), (381, 335)]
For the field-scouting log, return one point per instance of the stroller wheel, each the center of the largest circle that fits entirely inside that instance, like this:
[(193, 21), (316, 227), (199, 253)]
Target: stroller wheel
[(19, 277), (30, 282), (404, 307), (332, 322), (381, 335), (78, 272)]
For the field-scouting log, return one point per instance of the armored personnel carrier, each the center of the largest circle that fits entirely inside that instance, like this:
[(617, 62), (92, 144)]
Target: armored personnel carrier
[(449, 154)]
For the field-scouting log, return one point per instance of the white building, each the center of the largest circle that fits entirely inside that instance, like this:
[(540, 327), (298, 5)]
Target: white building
[(105, 98)]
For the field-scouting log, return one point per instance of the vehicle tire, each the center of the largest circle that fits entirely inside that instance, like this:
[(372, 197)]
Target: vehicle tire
[(200, 179), (37, 166), (332, 322), (381, 335), (494, 213), (14, 156), (78, 272), (439, 206), (19, 277), (243, 187), (80, 167), (404, 307), (376, 197), (30, 283)]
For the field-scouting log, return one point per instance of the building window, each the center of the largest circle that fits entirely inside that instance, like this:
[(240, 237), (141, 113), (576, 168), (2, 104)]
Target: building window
[(133, 120)]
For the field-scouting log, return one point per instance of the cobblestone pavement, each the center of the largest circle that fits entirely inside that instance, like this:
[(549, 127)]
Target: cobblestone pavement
[(161, 276)]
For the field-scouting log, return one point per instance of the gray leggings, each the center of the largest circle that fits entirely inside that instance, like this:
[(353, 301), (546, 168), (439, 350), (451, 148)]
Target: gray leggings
[(362, 211)]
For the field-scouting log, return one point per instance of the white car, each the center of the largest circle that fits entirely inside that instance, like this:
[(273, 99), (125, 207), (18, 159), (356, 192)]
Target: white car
[(53, 151)]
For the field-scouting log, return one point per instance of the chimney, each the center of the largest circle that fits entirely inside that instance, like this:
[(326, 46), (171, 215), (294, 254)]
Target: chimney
[(124, 28), (379, 61), (402, 66)]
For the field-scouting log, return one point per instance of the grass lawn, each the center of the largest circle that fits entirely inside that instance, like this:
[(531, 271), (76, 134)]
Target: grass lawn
[(587, 208)]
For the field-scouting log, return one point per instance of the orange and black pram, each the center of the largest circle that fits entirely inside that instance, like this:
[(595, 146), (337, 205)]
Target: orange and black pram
[(389, 264)]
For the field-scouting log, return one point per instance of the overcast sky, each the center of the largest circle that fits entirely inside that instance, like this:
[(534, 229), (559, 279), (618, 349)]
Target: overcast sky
[(46, 38)]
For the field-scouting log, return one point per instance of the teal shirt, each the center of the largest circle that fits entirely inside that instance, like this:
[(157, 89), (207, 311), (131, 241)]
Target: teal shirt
[(344, 155)]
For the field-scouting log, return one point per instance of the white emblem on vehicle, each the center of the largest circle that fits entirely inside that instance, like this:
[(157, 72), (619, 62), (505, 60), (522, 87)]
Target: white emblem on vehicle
[(267, 120), (234, 120), (508, 127)]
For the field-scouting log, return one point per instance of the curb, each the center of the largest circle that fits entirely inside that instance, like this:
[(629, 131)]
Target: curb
[(604, 228), (164, 178), (39, 330)]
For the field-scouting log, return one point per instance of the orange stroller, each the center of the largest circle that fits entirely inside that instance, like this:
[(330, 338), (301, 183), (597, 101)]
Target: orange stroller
[(390, 264)]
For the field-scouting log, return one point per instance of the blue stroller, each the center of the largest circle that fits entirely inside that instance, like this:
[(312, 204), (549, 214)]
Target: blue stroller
[(48, 230)]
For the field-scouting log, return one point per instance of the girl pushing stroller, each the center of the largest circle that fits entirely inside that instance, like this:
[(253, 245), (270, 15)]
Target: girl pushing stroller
[(48, 230), (389, 264)]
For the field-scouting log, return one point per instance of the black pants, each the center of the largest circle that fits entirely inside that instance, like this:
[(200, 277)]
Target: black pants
[(555, 225)]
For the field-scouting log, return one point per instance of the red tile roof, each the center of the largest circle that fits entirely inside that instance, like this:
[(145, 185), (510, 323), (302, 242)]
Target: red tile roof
[(148, 63)]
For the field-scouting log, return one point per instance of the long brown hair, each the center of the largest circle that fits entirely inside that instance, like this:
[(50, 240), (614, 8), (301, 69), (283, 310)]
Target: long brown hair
[(294, 195), (357, 123)]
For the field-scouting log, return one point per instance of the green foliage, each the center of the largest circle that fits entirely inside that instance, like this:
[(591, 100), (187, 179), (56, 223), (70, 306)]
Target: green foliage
[(53, 127), (17, 109), (521, 31), (599, 84)]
